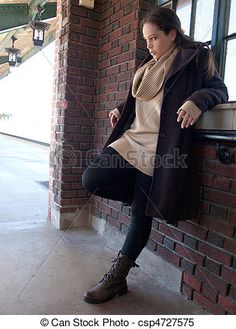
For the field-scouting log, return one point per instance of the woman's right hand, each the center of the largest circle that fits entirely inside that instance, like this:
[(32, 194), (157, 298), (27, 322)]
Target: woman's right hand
[(114, 118)]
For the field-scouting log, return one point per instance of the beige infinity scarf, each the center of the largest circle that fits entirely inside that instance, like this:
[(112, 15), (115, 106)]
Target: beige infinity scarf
[(149, 78)]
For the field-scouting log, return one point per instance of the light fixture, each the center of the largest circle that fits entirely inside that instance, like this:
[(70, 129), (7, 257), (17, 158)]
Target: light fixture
[(13, 53), (39, 28)]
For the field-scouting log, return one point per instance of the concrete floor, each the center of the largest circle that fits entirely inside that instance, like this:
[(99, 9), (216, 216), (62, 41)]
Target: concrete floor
[(46, 271)]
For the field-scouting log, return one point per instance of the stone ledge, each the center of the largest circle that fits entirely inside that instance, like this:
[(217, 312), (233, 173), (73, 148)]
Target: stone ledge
[(229, 105), (221, 117)]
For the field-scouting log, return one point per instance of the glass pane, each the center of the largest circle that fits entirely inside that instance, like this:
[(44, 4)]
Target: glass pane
[(168, 5), (183, 10), (232, 20), (204, 20), (230, 69)]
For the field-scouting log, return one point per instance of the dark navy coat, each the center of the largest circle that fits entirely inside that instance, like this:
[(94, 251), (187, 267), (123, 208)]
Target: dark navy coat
[(174, 192)]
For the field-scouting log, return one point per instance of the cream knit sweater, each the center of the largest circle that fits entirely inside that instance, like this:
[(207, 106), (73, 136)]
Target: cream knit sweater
[(138, 144)]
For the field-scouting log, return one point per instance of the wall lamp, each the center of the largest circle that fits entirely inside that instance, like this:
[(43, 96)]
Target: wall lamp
[(13, 53), (39, 28)]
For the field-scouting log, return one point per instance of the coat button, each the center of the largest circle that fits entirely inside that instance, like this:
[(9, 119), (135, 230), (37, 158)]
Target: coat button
[(162, 135)]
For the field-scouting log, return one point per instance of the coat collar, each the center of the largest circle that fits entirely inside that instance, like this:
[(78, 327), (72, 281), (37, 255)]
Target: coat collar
[(183, 57)]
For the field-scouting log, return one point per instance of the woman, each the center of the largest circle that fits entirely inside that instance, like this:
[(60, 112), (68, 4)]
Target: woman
[(149, 160)]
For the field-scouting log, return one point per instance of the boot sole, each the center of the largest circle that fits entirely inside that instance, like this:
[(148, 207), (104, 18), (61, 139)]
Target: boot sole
[(95, 301)]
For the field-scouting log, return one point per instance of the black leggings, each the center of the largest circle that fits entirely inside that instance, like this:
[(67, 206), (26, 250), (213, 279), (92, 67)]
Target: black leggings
[(111, 176)]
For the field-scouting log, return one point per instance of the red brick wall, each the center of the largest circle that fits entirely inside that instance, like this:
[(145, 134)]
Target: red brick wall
[(209, 246), (99, 50)]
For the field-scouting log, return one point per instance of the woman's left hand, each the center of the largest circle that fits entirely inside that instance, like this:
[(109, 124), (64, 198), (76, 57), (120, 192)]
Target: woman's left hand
[(186, 118)]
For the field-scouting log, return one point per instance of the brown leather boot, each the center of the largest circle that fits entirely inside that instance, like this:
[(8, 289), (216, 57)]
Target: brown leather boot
[(113, 282)]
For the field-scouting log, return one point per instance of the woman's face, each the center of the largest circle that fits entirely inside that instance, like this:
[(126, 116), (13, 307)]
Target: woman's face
[(157, 41)]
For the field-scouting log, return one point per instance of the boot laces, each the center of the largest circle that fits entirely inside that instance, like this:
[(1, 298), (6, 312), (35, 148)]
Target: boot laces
[(114, 270)]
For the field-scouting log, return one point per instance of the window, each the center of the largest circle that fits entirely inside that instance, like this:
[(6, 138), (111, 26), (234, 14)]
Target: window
[(165, 3), (183, 10), (213, 21), (230, 69), (230, 53), (204, 20), (196, 18), (232, 22)]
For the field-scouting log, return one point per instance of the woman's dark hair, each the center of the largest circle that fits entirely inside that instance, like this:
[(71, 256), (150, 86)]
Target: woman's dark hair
[(166, 20)]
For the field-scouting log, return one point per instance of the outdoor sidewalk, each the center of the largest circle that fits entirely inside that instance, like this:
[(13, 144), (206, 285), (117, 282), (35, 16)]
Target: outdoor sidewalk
[(46, 271)]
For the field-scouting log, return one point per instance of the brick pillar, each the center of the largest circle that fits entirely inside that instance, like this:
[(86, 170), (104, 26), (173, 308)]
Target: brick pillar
[(73, 107)]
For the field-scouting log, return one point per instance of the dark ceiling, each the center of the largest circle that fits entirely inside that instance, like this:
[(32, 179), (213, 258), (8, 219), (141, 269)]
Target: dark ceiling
[(14, 18)]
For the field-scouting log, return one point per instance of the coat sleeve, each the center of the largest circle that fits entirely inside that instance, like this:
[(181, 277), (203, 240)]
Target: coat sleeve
[(121, 106), (118, 110), (214, 92)]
